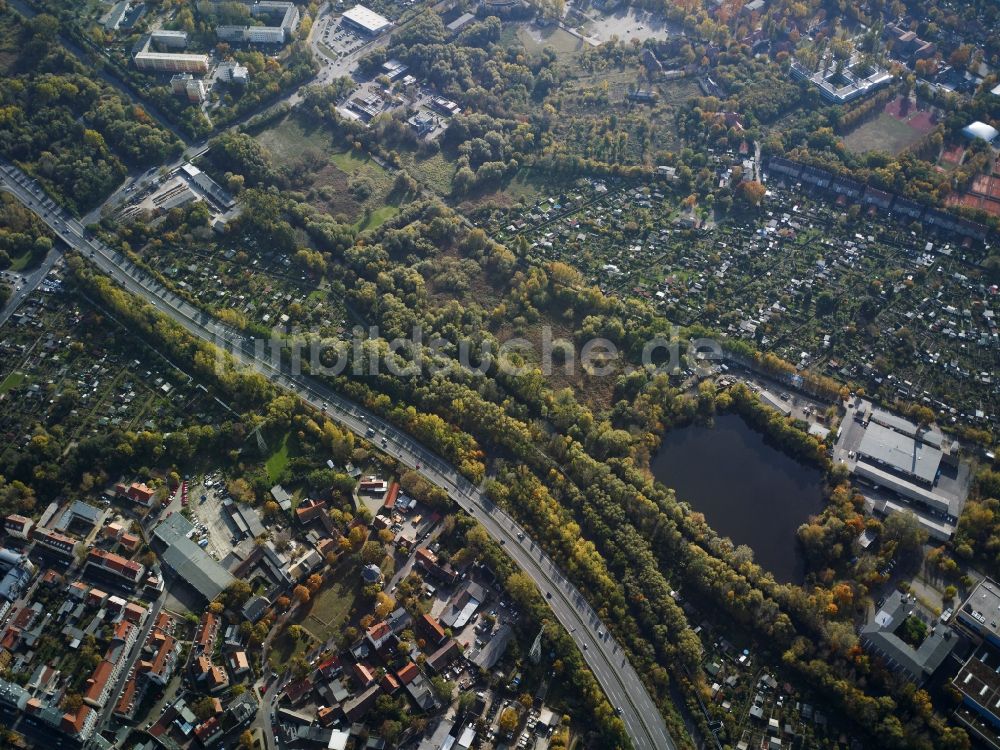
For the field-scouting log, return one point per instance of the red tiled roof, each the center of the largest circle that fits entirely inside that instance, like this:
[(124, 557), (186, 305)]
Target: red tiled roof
[(203, 664), (408, 673), (432, 625), (297, 689), (206, 629), (390, 498), (217, 677), (134, 610), (10, 638), (98, 680), (53, 538), (16, 521), (114, 563), (363, 674), (165, 644), (206, 728), (122, 629), (127, 694), (73, 723), (140, 492)]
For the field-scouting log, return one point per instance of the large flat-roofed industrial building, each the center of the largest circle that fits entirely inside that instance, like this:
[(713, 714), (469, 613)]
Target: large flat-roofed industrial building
[(978, 682), (901, 454), (980, 613), (916, 464), (365, 20), (189, 562)]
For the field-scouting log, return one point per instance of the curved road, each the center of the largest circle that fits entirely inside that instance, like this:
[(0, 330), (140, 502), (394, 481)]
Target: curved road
[(602, 654)]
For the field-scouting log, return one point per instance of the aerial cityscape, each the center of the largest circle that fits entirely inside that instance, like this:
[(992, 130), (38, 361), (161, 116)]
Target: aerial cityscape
[(499, 375)]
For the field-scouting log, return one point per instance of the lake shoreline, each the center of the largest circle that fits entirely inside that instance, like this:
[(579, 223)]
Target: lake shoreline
[(745, 485)]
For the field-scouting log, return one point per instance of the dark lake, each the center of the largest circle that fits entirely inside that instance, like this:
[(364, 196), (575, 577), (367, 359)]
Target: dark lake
[(748, 490)]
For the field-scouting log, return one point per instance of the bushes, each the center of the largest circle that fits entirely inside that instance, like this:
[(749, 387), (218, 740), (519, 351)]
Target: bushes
[(76, 135)]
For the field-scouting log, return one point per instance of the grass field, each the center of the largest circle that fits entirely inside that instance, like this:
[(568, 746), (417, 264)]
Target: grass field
[(560, 40), (331, 607), (333, 171), (289, 138), (526, 184), (351, 161), (377, 217), (277, 462), (25, 260), (284, 649), (435, 170), (13, 380), (884, 133)]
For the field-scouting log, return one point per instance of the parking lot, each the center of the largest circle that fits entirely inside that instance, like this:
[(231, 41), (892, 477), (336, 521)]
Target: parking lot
[(217, 532), (13, 278), (338, 38)]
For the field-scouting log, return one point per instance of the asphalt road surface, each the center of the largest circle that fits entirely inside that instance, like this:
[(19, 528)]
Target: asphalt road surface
[(133, 657), (602, 654), (27, 283)]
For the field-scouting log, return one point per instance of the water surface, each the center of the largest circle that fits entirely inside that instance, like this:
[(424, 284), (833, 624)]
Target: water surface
[(748, 490)]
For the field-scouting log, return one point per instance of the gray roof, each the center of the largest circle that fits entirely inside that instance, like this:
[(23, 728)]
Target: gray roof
[(437, 740), (900, 452), (9, 558), (82, 511), (189, 561), (12, 694), (113, 19), (980, 129), (252, 518), (13, 583), (909, 490), (919, 663), (281, 497), (979, 680), (421, 692), (255, 607), (399, 620), (463, 20), (982, 609), (491, 651), (905, 426)]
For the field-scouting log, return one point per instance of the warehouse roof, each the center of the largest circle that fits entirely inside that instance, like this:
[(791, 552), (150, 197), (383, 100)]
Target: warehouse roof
[(900, 452), (366, 19), (189, 561)]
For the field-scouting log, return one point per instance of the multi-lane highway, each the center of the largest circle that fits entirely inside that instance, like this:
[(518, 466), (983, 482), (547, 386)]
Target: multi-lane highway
[(602, 653)]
